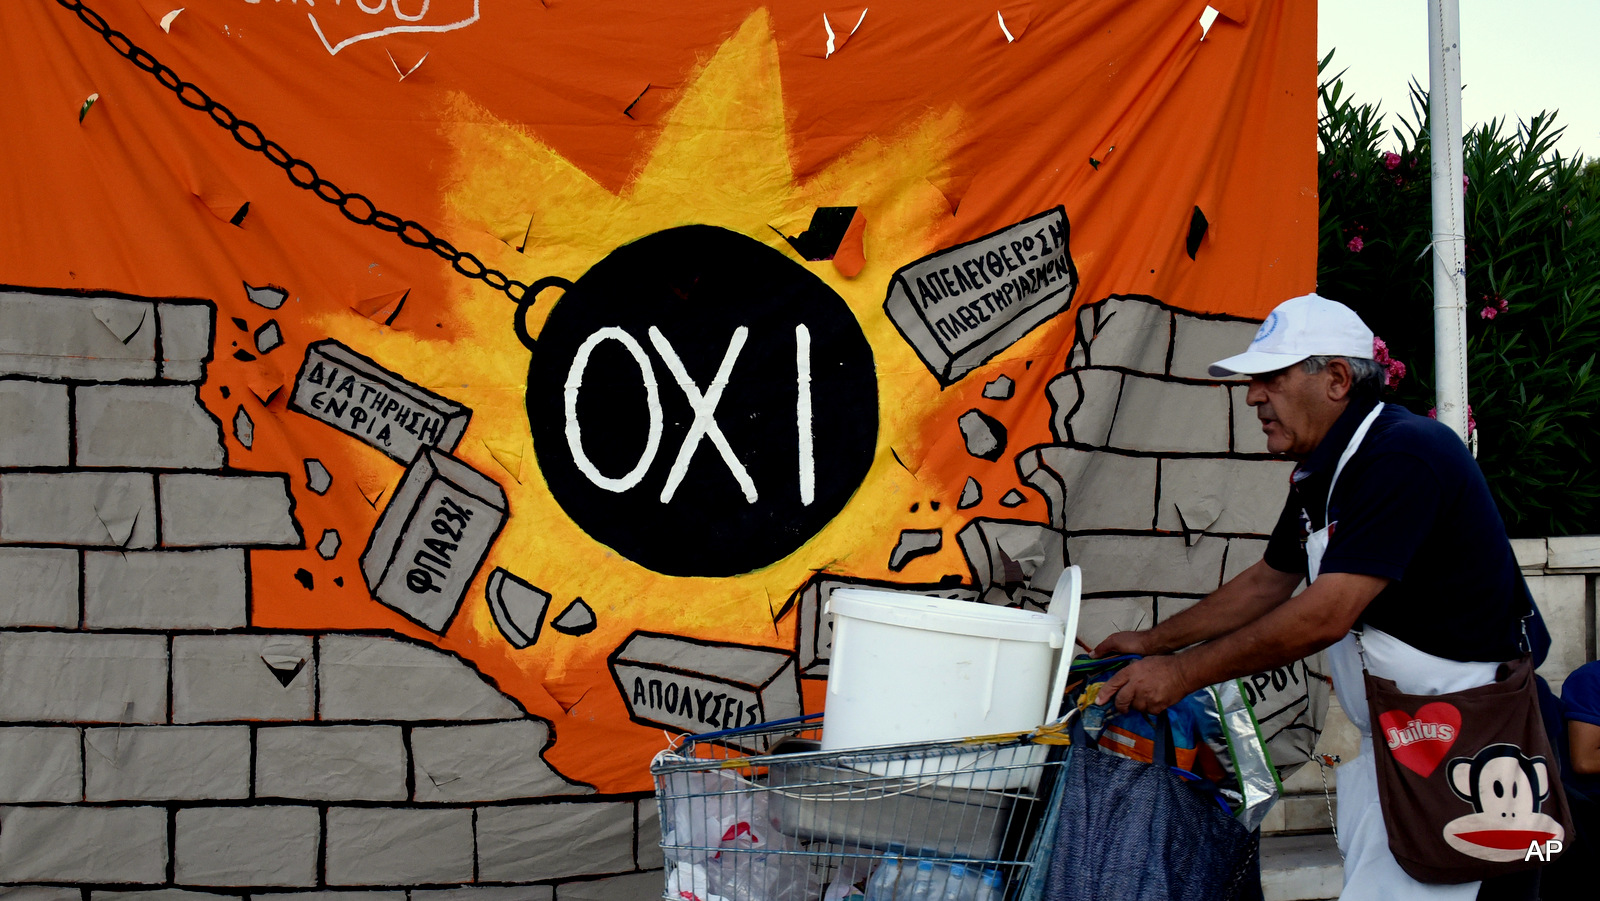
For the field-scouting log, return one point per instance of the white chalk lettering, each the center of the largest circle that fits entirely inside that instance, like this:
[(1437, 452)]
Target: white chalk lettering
[(704, 406), (580, 363)]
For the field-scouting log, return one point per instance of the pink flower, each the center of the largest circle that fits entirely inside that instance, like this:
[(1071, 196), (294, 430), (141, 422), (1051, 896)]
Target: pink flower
[(1398, 181), (1472, 423), (1356, 244), (1488, 312), (1464, 182), (1394, 370), (1391, 161)]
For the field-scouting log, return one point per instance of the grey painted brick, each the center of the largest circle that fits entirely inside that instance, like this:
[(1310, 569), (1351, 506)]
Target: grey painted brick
[(1243, 553), (159, 426), (1247, 435), (1221, 495), (40, 764), (1167, 608), (486, 893), (94, 509), (123, 845), (202, 510), (328, 896), (1004, 553), (331, 763), (1201, 342), (41, 587), (1147, 564), (367, 677), (535, 842), (398, 846), (491, 762), (647, 850), (39, 893), (224, 677), (632, 887), (100, 339), (1100, 617), (1129, 333), (1088, 490), (1153, 415), (36, 424), (160, 894), (1083, 403), (186, 331), (77, 677), (165, 763), (265, 845), (165, 589)]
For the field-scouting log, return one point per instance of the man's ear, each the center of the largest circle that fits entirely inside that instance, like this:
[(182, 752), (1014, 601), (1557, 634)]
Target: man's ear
[(1340, 378)]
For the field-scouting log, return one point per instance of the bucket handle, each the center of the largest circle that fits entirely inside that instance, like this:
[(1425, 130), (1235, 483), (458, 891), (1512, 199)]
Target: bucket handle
[(1065, 603)]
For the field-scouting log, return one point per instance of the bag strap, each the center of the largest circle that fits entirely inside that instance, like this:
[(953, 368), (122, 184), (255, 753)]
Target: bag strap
[(1164, 753)]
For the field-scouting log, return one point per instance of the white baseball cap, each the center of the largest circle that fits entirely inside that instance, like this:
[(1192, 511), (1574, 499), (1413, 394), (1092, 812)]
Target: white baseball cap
[(1308, 326)]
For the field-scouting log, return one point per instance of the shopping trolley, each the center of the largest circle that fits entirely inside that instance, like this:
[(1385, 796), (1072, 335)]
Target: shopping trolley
[(764, 814)]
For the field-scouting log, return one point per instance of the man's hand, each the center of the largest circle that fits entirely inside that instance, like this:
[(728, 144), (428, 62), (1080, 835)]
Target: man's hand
[(1150, 685), (1124, 643)]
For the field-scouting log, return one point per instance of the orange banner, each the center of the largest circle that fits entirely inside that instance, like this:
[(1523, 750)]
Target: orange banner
[(599, 341)]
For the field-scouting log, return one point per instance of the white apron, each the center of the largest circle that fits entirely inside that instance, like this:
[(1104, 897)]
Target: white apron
[(1370, 870)]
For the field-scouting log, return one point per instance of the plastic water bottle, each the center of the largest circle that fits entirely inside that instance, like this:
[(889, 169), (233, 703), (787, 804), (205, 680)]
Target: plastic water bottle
[(955, 884), (990, 888), (975, 884), (884, 882), (921, 888)]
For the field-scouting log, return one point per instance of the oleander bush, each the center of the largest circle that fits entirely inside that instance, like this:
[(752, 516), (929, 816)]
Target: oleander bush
[(1532, 286)]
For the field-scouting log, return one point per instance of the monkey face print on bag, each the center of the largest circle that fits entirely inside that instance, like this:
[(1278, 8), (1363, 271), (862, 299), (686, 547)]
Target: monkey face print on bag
[(1506, 789)]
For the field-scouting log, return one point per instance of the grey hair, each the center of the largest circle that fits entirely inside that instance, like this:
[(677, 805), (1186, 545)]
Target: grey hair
[(1366, 375)]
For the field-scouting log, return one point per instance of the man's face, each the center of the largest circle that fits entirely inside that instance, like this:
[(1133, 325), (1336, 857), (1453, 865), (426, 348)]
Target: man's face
[(1295, 408)]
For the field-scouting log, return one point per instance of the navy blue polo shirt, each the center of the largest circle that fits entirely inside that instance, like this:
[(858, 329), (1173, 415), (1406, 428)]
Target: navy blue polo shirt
[(1411, 506)]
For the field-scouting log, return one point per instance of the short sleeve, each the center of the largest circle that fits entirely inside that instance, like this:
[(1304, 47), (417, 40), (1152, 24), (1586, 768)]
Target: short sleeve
[(1286, 550), (1580, 694), (1382, 516)]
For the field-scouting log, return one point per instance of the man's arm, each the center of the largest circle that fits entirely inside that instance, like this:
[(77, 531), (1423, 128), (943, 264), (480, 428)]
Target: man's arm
[(1302, 625), (1243, 599), (1583, 740)]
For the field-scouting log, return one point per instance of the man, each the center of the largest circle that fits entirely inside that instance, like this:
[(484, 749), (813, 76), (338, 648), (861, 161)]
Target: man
[(1390, 520)]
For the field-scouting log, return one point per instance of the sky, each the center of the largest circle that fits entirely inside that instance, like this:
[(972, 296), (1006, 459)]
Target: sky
[(1517, 57)]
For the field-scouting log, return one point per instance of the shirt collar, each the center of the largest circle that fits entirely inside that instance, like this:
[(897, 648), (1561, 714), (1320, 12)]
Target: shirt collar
[(1326, 456)]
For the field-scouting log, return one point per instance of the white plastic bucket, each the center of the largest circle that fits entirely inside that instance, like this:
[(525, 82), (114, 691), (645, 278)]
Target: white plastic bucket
[(906, 668)]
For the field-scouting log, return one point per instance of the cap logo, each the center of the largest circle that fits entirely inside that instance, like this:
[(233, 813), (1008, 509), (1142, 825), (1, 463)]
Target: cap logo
[(1266, 329)]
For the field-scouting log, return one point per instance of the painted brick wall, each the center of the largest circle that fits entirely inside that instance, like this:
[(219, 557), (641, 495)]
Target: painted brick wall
[(155, 746)]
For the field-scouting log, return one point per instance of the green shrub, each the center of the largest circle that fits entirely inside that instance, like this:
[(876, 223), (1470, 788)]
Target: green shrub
[(1533, 290)]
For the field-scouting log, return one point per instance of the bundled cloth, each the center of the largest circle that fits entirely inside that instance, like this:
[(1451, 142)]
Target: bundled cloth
[(1134, 824)]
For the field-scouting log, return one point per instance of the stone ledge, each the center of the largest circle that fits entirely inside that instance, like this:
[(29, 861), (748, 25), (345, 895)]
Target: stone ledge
[(1531, 553), (1300, 868), (1573, 553)]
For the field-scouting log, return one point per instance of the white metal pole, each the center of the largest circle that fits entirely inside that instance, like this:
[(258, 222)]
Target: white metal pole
[(1449, 215)]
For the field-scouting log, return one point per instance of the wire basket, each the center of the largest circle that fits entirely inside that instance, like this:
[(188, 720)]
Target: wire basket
[(788, 822)]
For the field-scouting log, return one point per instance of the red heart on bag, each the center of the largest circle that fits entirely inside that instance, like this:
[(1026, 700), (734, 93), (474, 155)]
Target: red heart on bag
[(1420, 742)]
